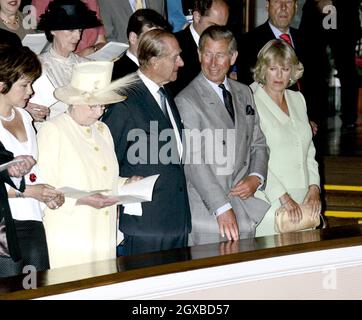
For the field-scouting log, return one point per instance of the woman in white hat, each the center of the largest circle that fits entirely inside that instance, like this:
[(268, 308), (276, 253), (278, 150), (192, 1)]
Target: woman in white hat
[(76, 150)]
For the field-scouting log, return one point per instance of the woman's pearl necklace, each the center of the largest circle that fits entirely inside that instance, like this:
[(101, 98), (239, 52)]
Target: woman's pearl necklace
[(9, 118)]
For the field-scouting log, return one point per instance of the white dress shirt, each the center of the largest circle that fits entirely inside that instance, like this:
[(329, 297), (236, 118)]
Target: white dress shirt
[(194, 34), (132, 57)]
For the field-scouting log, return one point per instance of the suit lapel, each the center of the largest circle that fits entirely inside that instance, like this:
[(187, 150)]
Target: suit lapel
[(192, 45), (240, 119), (151, 107), (174, 111), (270, 105), (210, 99), (267, 34), (154, 112), (129, 62)]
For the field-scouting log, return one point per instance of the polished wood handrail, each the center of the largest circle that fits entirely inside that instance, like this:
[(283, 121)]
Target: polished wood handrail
[(63, 280)]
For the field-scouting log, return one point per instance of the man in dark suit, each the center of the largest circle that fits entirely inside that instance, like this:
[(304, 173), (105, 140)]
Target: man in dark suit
[(205, 14), (140, 22), (7, 37), (280, 17), (146, 129)]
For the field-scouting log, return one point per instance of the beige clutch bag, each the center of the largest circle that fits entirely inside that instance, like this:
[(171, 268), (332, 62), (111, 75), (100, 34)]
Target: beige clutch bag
[(283, 224)]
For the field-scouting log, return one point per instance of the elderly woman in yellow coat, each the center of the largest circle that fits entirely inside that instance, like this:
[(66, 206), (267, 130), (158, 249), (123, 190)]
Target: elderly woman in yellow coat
[(293, 176), (76, 150)]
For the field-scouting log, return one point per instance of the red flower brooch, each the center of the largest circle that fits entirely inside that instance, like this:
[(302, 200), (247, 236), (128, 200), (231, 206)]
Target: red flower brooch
[(32, 177)]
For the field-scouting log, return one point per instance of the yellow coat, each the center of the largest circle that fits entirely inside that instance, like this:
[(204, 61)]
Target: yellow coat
[(292, 166), (83, 158)]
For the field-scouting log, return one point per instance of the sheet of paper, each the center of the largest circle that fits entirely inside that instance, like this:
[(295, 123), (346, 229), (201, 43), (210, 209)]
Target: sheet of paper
[(4, 166), (111, 51), (35, 41), (138, 191), (133, 209), (78, 194), (43, 91)]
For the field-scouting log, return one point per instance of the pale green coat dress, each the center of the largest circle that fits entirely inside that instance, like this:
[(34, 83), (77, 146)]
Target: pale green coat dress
[(292, 166)]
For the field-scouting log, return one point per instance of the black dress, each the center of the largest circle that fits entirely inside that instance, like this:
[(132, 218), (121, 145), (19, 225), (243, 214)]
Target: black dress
[(8, 265)]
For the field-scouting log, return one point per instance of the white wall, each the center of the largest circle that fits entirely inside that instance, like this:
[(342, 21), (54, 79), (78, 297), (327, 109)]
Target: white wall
[(325, 274)]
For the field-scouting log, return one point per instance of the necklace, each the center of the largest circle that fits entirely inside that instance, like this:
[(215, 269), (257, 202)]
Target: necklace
[(9, 118), (11, 22)]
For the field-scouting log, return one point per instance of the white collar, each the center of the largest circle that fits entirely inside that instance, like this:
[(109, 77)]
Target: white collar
[(132, 57), (194, 34), (152, 86), (277, 32), (216, 87)]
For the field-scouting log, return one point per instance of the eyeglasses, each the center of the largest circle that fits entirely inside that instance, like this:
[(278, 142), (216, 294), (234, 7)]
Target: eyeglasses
[(220, 57), (97, 106)]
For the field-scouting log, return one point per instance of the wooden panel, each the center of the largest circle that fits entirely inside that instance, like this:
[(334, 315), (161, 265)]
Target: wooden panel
[(339, 170), (340, 200), (92, 275)]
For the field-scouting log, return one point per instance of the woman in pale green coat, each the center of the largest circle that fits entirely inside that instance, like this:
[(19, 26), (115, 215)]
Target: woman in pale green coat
[(293, 176)]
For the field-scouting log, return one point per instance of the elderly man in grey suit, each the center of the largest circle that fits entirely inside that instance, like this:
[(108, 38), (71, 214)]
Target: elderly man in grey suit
[(227, 156), (116, 13)]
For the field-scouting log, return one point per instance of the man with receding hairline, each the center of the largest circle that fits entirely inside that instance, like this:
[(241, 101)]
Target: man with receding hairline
[(150, 113), (221, 193)]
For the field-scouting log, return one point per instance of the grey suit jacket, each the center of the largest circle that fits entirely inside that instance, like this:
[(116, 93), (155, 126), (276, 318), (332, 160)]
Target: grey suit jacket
[(116, 13), (209, 183)]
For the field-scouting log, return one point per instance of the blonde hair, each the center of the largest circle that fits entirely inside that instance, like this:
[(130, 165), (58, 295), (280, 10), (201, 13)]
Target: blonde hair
[(280, 52)]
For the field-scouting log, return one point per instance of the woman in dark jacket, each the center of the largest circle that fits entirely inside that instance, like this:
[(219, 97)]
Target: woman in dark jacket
[(10, 258)]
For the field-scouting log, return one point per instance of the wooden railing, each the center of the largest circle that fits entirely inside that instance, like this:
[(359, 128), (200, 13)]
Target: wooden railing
[(94, 275)]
